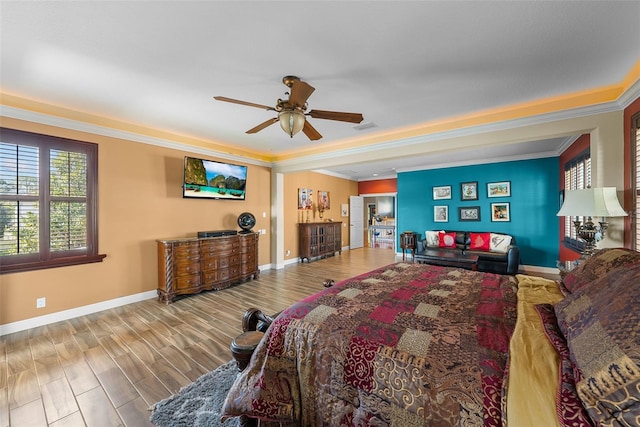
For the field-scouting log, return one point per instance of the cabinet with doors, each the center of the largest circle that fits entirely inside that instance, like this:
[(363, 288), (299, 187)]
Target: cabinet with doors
[(319, 239), (188, 266)]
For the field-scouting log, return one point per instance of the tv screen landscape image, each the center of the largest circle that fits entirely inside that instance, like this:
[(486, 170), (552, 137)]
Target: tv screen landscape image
[(208, 179)]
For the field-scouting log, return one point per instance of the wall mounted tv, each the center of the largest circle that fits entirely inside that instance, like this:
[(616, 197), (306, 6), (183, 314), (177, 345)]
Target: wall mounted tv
[(207, 179)]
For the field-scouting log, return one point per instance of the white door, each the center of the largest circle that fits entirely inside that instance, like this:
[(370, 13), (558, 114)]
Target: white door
[(356, 221)]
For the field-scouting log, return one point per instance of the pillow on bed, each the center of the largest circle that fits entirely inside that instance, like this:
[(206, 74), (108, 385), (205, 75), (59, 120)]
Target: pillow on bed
[(600, 323), (447, 240), (599, 264), (432, 239), (499, 242), (480, 241)]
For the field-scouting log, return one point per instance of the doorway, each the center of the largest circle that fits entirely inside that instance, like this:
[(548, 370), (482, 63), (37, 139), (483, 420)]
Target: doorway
[(380, 212)]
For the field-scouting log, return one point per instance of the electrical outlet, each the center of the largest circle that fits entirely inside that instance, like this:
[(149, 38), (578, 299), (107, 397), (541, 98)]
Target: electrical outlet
[(41, 302), (288, 252)]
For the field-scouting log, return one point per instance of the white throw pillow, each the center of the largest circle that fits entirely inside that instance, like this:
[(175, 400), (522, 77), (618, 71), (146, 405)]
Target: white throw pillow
[(499, 242), (432, 239)]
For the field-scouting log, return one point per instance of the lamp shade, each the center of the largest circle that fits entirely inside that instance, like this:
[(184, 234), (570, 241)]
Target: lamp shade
[(291, 121), (592, 202)]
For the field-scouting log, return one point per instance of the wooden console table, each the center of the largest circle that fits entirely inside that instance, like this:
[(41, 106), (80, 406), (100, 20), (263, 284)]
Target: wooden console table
[(319, 239), (446, 258)]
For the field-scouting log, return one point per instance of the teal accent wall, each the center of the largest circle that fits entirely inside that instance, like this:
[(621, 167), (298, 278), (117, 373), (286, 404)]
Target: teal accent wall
[(534, 203)]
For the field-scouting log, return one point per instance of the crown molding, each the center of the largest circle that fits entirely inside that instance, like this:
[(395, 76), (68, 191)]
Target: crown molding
[(46, 119), (625, 100), (461, 132)]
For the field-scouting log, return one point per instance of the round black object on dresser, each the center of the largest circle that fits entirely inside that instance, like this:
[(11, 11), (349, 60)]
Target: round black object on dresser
[(246, 221)]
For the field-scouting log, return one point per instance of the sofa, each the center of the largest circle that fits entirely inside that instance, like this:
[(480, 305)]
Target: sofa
[(497, 252)]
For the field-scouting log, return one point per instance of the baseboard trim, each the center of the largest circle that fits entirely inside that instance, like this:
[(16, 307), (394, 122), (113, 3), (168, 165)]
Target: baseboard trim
[(526, 269), (59, 316)]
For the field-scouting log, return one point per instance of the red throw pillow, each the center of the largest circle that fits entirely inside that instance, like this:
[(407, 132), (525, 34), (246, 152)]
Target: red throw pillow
[(447, 240), (480, 241)]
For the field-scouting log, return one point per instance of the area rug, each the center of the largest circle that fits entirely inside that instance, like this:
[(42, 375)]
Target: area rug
[(199, 403)]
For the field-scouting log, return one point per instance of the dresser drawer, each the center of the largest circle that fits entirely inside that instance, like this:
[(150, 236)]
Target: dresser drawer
[(249, 258), (210, 263), (220, 246), (248, 268), (230, 261), (186, 267), (186, 252), (188, 282)]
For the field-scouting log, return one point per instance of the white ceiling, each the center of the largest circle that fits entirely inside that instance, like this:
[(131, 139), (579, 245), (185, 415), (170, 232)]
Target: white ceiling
[(400, 63)]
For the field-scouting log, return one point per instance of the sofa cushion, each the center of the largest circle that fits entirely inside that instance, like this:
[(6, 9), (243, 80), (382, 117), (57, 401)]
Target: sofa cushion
[(499, 242), (432, 239), (480, 241), (599, 264), (447, 240)]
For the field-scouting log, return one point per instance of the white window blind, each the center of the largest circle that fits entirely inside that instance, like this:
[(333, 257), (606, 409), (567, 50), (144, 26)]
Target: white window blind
[(636, 182), (48, 206), (577, 176)]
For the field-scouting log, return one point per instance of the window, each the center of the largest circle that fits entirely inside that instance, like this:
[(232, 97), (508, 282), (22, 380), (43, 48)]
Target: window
[(577, 176), (635, 144), (48, 200)]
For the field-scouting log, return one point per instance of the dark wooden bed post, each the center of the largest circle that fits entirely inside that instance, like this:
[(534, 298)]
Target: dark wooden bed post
[(255, 320)]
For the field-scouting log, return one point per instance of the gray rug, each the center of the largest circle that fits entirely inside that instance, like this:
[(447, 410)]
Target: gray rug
[(199, 403)]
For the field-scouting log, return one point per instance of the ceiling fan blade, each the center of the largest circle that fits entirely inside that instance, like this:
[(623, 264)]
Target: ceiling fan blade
[(263, 125), (336, 115), (300, 92), (236, 101), (310, 131)]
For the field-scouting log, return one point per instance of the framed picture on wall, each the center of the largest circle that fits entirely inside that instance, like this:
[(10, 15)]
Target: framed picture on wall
[(442, 192), (344, 210), (499, 189), (324, 200), (441, 214), (302, 198), (470, 213), (469, 190), (500, 212)]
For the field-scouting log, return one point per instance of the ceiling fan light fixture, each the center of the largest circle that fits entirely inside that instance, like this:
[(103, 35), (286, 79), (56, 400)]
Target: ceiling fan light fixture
[(291, 121)]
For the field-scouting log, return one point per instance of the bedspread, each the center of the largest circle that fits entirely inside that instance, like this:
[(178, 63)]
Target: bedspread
[(403, 345)]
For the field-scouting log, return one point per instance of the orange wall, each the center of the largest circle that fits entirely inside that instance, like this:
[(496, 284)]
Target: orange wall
[(576, 148), (378, 186), (140, 200), (339, 191)]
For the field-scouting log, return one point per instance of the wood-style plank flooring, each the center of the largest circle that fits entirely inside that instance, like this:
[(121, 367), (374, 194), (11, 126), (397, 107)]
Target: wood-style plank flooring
[(108, 368)]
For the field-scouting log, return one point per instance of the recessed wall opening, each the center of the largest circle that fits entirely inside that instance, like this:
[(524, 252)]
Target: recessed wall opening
[(381, 221)]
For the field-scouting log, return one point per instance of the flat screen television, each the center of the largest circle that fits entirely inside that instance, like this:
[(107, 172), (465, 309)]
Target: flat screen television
[(208, 179)]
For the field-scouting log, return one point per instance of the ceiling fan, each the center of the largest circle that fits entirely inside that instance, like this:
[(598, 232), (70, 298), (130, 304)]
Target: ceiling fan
[(292, 111)]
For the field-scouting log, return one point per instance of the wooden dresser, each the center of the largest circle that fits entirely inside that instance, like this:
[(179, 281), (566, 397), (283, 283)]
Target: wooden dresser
[(188, 266), (319, 239)]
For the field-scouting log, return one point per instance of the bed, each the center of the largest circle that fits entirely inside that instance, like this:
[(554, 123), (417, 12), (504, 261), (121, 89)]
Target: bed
[(415, 345)]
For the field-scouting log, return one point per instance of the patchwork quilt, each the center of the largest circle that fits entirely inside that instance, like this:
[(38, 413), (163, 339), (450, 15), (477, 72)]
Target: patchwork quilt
[(404, 345)]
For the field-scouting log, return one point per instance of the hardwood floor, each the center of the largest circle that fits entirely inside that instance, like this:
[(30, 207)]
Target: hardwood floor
[(108, 368)]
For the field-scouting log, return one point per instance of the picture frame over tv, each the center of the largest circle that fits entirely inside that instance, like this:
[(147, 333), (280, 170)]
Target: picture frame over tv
[(209, 179)]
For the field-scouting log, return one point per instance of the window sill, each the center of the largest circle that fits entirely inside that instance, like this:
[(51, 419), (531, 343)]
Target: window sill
[(54, 263), (574, 244)]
